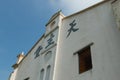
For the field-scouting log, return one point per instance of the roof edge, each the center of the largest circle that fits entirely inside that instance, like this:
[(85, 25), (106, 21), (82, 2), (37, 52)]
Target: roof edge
[(31, 48), (54, 16), (87, 8)]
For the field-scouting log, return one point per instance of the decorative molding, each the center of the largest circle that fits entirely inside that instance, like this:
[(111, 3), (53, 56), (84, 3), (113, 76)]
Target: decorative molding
[(48, 48), (51, 31), (83, 48)]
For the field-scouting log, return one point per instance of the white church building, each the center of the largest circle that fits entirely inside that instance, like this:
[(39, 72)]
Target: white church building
[(82, 46)]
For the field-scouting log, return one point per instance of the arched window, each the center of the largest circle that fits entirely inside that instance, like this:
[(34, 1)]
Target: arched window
[(42, 74), (48, 73)]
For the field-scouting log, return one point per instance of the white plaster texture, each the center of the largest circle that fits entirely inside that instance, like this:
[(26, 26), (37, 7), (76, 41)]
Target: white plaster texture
[(95, 25)]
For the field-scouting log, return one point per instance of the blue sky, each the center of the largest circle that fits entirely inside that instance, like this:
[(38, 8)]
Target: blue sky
[(22, 22)]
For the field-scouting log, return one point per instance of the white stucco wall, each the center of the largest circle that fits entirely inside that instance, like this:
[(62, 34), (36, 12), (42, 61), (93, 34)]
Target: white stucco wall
[(31, 66), (13, 75), (95, 25), (57, 21), (116, 9)]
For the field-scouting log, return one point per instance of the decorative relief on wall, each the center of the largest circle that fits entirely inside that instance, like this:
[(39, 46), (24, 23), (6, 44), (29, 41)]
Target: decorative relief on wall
[(72, 28), (48, 56), (38, 51), (50, 40)]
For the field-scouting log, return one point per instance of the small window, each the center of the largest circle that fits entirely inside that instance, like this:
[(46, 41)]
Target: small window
[(27, 78), (84, 57), (42, 74)]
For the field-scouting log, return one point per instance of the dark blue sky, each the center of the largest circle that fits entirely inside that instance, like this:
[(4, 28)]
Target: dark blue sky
[(22, 22)]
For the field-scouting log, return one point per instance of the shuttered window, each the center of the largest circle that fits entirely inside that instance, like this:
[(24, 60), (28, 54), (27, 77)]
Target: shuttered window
[(85, 61), (27, 78)]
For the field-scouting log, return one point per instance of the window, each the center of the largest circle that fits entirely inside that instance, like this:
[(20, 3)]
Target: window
[(42, 74), (27, 78), (48, 73), (84, 57)]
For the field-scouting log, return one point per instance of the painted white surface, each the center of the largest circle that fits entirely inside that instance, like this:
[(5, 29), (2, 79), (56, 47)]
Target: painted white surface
[(13, 75), (116, 9), (95, 25), (31, 67)]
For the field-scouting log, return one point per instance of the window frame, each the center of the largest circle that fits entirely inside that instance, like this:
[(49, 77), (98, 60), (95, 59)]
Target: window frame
[(79, 52), (27, 78)]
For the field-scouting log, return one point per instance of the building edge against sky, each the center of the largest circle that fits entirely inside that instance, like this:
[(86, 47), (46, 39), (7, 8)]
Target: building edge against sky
[(94, 31)]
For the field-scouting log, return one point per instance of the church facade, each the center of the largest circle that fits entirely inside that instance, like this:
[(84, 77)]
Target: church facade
[(84, 45)]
